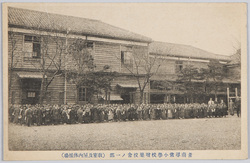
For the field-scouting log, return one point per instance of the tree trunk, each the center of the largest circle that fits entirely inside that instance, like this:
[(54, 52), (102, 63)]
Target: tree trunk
[(42, 90), (141, 96), (10, 81)]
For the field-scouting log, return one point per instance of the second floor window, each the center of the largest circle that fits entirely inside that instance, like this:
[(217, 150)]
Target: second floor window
[(179, 66), (126, 58), (32, 46)]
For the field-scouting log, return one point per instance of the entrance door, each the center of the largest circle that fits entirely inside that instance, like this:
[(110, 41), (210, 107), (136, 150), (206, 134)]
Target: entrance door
[(126, 98), (30, 91), (157, 98), (127, 94)]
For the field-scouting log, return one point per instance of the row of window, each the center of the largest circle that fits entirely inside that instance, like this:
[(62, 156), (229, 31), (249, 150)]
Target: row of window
[(82, 94), (32, 47)]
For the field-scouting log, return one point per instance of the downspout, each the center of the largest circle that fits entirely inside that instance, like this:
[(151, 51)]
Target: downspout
[(65, 67), (149, 81)]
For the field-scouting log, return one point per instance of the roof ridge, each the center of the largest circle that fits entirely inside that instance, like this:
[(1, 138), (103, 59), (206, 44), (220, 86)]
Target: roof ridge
[(78, 25), (191, 47), (53, 13), (124, 29)]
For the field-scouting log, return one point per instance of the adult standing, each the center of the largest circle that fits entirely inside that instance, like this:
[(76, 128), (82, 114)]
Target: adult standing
[(238, 106), (79, 114), (28, 115), (39, 116), (231, 107)]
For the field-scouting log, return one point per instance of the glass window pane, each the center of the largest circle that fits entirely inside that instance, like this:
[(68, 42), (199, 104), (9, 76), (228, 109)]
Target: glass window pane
[(27, 38)]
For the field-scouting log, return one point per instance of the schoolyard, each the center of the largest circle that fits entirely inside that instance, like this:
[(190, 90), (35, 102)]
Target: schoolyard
[(176, 134)]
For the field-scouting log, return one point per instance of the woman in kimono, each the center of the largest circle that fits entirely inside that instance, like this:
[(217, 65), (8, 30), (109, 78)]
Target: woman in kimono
[(231, 107), (101, 113), (23, 115), (182, 111), (170, 111), (110, 115), (87, 114), (80, 115), (152, 112), (205, 108), (163, 112), (186, 111), (105, 109), (64, 115), (145, 112), (139, 112), (16, 113)]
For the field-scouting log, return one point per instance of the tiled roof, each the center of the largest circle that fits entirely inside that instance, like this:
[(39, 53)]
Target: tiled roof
[(47, 21), (179, 50), (235, 58)]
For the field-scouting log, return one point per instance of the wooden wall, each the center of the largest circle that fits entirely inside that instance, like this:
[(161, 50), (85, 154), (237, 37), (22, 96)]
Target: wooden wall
[(103, 53)]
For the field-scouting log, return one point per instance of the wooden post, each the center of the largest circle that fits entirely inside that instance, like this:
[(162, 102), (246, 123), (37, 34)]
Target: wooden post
[(85, 89), (228, 96), (65, 69), (236, 92), (108, 97)]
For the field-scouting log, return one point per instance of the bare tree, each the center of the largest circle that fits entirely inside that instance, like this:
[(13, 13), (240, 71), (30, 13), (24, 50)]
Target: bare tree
[(142, 67), (83, 73), (12, 53), (49, 53), (213, 76)]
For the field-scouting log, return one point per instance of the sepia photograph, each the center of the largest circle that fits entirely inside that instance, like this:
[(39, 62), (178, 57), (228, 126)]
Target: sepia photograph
[(125, 81)]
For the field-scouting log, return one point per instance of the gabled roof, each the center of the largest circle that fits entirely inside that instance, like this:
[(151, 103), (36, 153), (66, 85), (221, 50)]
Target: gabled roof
[(235, 58), (179, 50), (30, 19)]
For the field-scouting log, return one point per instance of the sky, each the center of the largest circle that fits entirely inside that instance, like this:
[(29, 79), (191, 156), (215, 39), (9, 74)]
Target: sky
[(214, 27)]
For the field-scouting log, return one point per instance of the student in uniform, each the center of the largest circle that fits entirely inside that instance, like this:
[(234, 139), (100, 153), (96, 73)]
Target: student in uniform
[(28, 115)]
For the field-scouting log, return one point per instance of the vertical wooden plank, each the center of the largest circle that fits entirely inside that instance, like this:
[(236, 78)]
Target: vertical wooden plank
[(228, 96), (236, 92), (119, 57)]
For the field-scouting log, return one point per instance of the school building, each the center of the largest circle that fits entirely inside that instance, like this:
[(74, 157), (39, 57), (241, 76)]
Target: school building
[(34, 57)]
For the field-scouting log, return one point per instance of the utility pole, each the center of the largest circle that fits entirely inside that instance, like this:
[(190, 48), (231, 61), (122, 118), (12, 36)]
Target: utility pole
[(65, 68)]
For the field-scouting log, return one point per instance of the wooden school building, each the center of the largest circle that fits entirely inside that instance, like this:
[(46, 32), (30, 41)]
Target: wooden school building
[(29, 56), (37, 49), (174, 58)]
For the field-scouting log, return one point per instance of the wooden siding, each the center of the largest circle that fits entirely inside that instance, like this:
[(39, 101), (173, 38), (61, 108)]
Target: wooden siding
[(167, 69), (16, 89), (107, 54), (20, 55), (103, 53)]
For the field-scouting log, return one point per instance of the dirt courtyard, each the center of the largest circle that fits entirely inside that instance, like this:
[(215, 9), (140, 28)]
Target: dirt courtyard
[(183, 134)]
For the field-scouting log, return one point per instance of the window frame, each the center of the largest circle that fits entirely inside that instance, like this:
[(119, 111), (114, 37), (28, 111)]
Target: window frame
[(31, 94), (34, 40), (82, 95), (179, 66), (124, 61)]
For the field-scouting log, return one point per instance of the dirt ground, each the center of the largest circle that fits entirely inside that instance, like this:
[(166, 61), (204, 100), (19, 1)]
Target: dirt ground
[(183, 134)]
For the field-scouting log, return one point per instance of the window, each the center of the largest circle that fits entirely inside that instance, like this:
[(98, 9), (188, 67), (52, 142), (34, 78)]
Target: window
[(126, 58), (179, 66), (13, 97), (90, 45), (32, 46), (82, 94), (31, 94)]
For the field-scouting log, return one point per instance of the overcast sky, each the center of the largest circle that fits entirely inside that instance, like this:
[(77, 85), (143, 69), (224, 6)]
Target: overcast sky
[(212, 27)]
